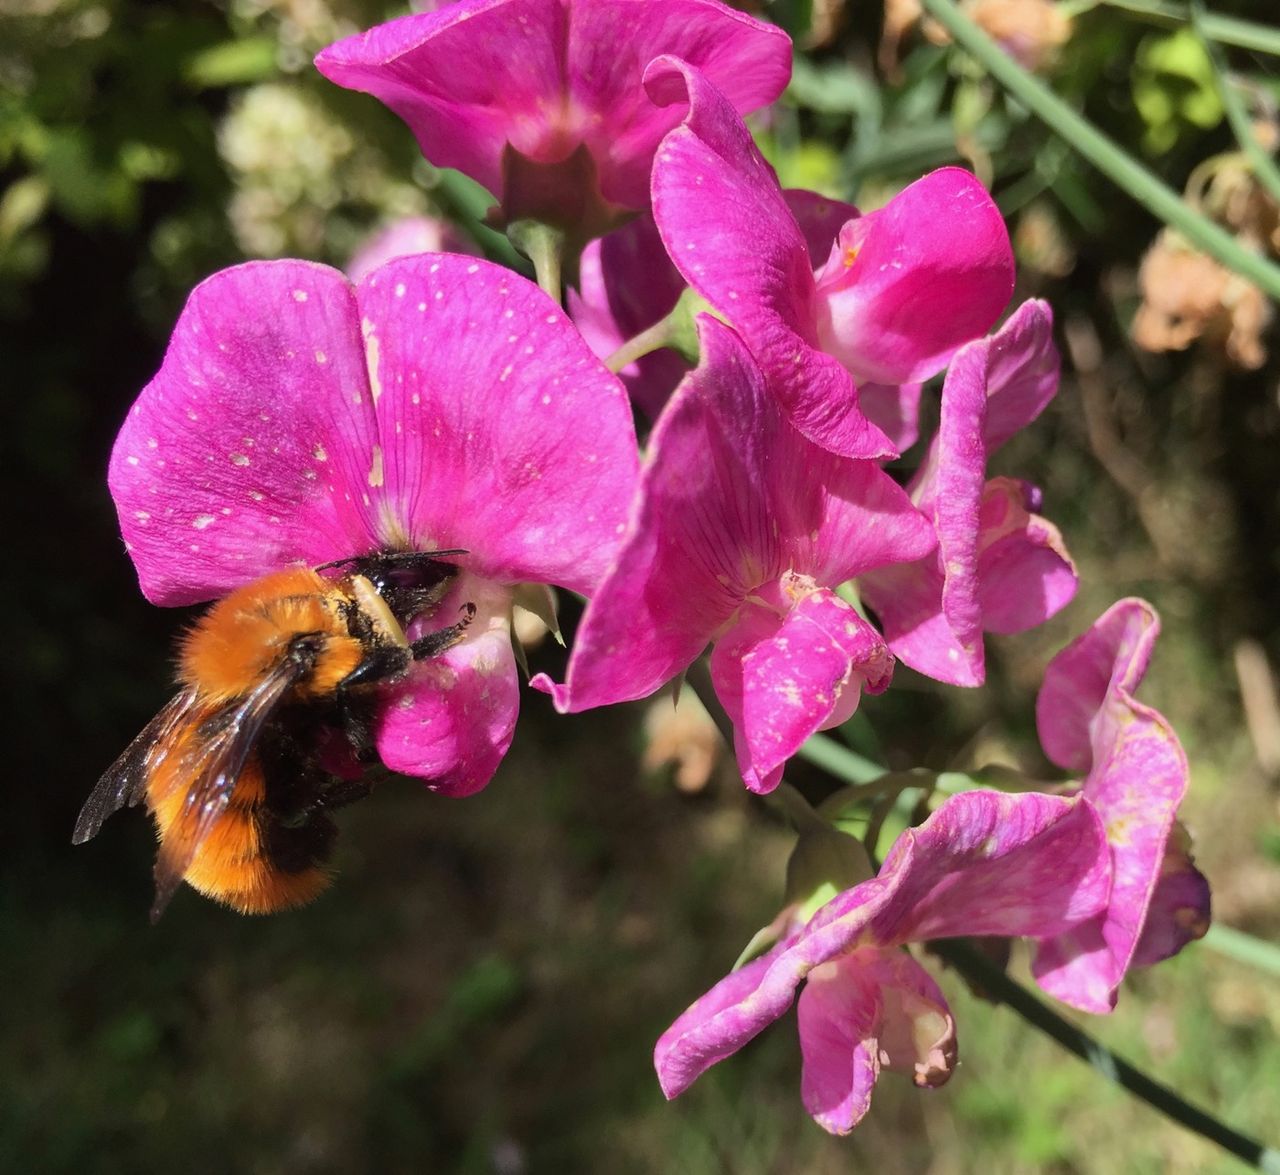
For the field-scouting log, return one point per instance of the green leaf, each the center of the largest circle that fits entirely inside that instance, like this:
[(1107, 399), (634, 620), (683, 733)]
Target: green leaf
[(232, 63)]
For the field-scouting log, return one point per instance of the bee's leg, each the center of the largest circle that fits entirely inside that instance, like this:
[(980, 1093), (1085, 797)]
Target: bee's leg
[(377, 664), (435, 643)]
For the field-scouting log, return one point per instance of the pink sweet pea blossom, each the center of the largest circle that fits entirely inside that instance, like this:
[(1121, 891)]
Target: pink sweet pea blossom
[(900, 291), (999, 566), (540, 99), (983, 863), (439, 405), (1135, 775), (628, 284), (403, 238), (741, 530)]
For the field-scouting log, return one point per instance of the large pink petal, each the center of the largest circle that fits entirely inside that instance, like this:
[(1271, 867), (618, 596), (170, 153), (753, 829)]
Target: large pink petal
[(500, 432), (1137, 778), (1022, 370), (729, 231), (627, 283), (916, 280), (612, 41), (404, 237), (1025, 574), (839, 1014), (907, 600), (468, 79), (869, 1009), (251, 447), (731, 497), (966, 870), (1112, 655), (451, 720), (783, 676), (546, 76)]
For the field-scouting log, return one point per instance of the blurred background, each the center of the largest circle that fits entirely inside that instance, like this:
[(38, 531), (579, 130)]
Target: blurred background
[(481, 990)]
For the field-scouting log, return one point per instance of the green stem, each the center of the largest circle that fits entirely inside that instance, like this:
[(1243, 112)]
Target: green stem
[(1226, 30), (823, 751), (1264, 166), (1243, 948), (994, 983), (1116, 164), (543, 244), (636, 347)]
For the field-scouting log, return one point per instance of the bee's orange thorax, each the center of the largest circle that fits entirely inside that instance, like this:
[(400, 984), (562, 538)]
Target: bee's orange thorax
[(232, 647)]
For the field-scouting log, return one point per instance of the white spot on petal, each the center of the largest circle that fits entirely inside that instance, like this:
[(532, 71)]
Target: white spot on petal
[(375, 470), (299, 295), (202, 520)]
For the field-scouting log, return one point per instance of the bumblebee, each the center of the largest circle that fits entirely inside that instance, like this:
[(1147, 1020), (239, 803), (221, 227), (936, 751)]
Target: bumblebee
[(270, 729)]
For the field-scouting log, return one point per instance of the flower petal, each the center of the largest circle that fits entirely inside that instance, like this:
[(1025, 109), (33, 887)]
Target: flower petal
[(916, 280), (731, 498), (545, 77), (781, 677), (404, 237), (1137, 778), (1022, 372), (965, 870), (451, 720), (249, 448), (729, 231), (894, 409), (678, 1060), (627, 284), (468, 79), (1025, 574), (839, 1014), (1180, 905), (482, 387)]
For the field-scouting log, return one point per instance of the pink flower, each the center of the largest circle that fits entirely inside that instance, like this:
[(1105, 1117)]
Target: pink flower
[(900, 291), (1135, 775), (983, 864), (999, 566), (403, 238), (540, 99), (741, 530), (628, 283), (297, 419)]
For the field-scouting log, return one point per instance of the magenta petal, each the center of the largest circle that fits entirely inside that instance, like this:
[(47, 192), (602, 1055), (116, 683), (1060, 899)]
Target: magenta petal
[(627, 283), (611, 43), (894, 409), (468, 79), (819, 220), (249, 449), (451, 721), (731, 498), (1180, 905), (838, 1014), (1113, 653), (907, 600), (996, 864), (546, 76), (920, 277), (1137, 777), (482, 387), (729, 231), (782, 677), (403, 238), (966, 870), (1025, 574), (1022, 371), (687, 1049)]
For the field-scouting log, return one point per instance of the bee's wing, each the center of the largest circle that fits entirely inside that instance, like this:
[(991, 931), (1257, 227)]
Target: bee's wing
[(125, 781), (211, 769)]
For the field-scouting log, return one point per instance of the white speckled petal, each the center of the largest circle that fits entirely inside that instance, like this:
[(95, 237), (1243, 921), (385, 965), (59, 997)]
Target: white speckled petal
[(500, 431), (248, 449)]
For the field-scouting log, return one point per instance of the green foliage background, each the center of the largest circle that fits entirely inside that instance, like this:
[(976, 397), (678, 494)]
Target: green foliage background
[(481, 990)]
